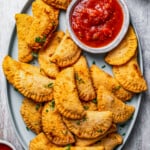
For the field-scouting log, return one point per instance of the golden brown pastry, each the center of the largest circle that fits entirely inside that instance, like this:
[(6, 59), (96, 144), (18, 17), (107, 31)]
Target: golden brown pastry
[(34, 86), (10, 66), (124, 51), (130, 76), (44, 23), (83, 80), (108, 102), (50, 68), (40, 142), (100, 77), (53, 126), (88, 142), (25, 78), (94, 124), (67, 53), (23, 23), (78, 148), (60, 4), (31, 114), (111, 141), (66, 95), (90, 105)]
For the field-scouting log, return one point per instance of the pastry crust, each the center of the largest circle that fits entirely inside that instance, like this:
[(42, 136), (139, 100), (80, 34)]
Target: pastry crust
[(60, 4), (130, 76), (23, 23), (66, 96), (40, 142), (83, 80), (44, 23), (34, 86), (94, 124), (124, 51), (88, 142), (67, 53), (50, 68), (111, 141), (100, 77), (53, 126), (31, 114), (108, 102)]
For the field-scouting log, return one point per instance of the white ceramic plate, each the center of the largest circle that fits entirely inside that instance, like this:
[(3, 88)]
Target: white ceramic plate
[(15, 98)]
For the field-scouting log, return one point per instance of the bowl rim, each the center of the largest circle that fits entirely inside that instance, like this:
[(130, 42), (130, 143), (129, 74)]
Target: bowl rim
[(7, 143), (110, 46)]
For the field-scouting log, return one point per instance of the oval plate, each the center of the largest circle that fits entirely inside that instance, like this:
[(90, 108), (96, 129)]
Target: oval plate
[(14, 98)]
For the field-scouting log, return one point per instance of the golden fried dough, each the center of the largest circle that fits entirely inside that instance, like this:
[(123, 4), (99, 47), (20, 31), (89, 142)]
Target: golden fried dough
[(23, 23), (108, 102), (100, 77), (111, 141), (60, 4), (10, 66), (53, 126), (50, 68), (44, 23), (83, 80), (31, 114), (34, 86), (130, 76), (124, 51), (90, 105), (67, 53), (78, 148), (66, 96), (40, 142), (88, 142), (94, 124)]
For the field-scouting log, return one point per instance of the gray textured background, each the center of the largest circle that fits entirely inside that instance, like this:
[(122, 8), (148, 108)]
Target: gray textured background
[(140, 14)]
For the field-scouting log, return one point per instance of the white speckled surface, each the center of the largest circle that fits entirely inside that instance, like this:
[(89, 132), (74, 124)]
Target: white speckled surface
[(140, 13)]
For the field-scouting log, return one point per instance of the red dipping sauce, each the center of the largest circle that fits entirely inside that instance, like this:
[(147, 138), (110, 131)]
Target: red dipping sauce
[(97, 22), (4, 147)]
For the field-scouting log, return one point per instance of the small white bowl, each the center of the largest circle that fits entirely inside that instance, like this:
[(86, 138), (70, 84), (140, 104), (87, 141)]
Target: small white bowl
[(7, 144), (110, 46)]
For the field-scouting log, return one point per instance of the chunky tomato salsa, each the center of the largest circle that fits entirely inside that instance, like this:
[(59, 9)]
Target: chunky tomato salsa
[(97, 22)]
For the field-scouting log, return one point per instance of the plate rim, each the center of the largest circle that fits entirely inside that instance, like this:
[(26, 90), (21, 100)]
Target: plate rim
[(6, 84)]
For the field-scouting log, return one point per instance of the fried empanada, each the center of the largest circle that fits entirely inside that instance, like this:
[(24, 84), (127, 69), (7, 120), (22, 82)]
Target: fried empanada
[(23, 23), (53, 126), (50, 68), (11, 65), (108, 102), (83, 80), (34, 86), (94, 124), (31, 114), (44, 23), (130, 76), (67, 53), (9, 68), (40, 142), (111, 141), (100, 77), (60, 4), (124, 51), (87, 142), (66, 95), (26, 79)]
